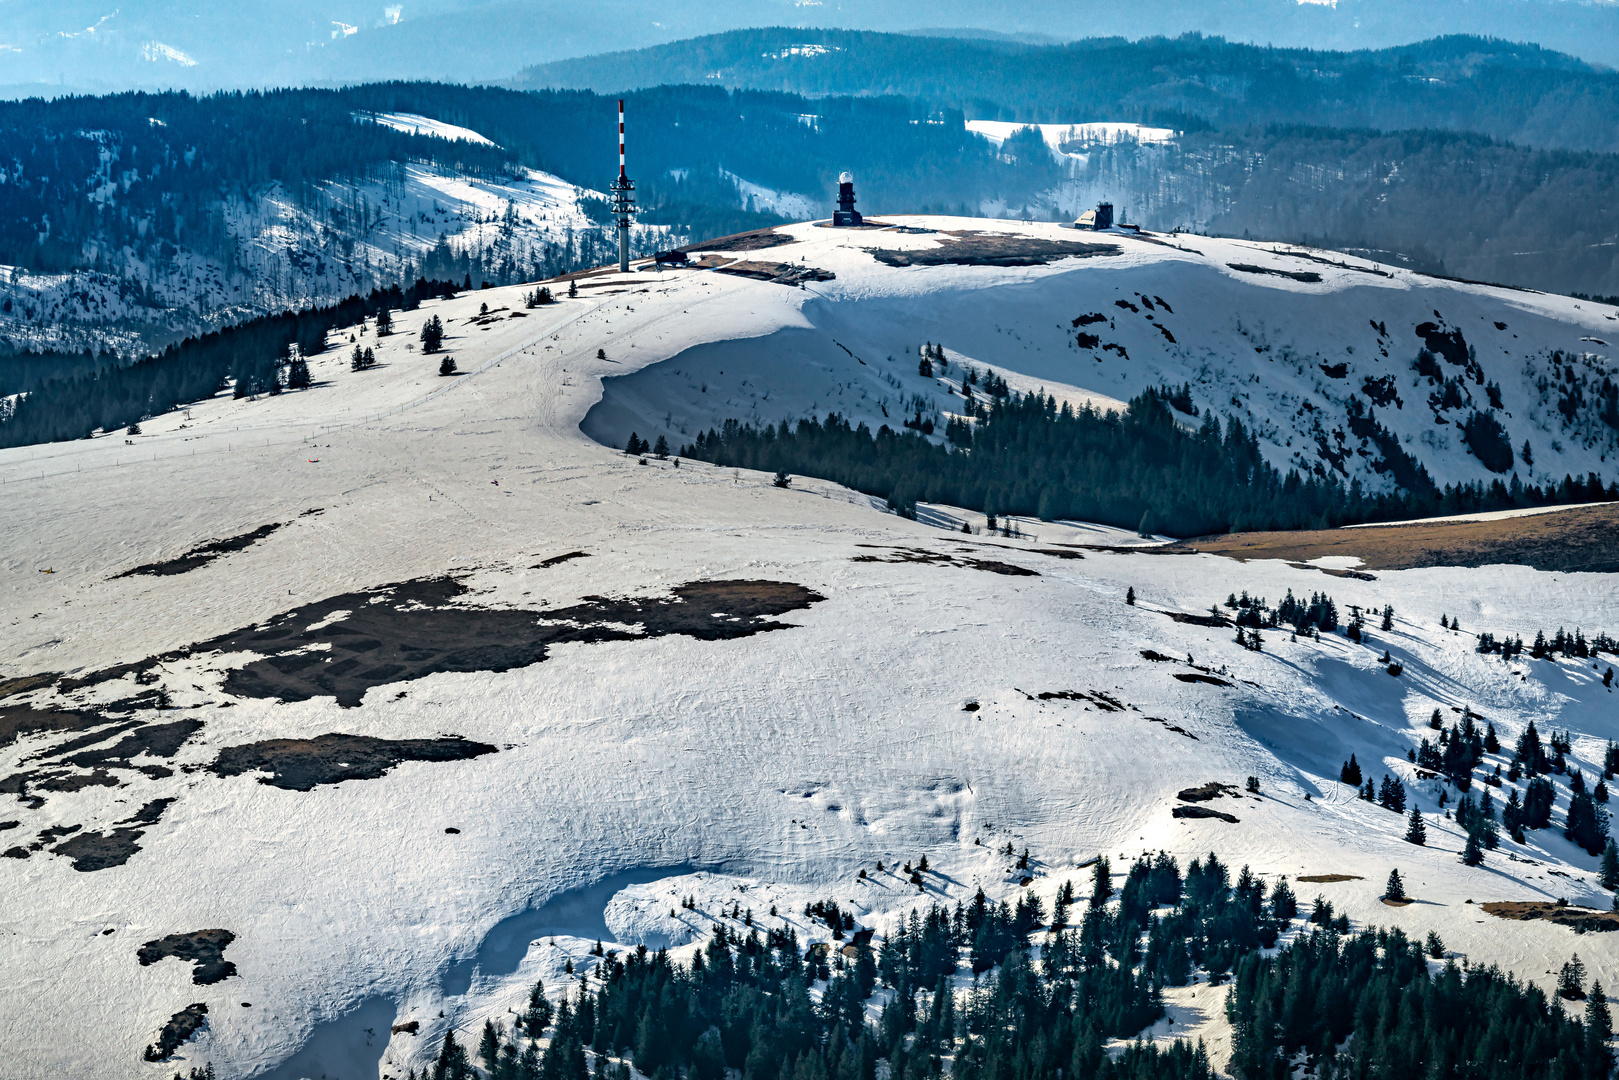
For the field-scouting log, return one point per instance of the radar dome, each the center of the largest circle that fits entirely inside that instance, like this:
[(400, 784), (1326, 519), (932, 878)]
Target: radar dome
[(845, 177)]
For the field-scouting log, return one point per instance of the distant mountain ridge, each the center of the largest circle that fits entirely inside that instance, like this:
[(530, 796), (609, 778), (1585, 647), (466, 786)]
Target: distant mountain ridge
[(1522, 93), (79, 46)]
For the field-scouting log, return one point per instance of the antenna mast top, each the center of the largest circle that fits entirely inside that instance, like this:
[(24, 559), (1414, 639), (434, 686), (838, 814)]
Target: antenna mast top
[(623, 189)]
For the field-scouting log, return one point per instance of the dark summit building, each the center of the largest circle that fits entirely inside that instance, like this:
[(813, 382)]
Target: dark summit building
[(846, 215)]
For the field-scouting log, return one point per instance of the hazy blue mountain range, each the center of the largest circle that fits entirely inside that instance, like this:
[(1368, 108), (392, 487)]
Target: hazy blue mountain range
[(99, 45), (1523, 93)]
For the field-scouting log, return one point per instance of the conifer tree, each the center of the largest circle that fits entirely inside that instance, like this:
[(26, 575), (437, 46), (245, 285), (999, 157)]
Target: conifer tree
[(1609, 868), (1571, 979), (1130, 596), (1472, 852), (452, 1063), (1598, 1030), (1395, 889), (447, 366), (1101, 882), (573, 288), (661, 448), (1350, 773), (1587, 825), (489, 1046), (1416, 832), (538, 1016), (385, 321), (432, 334)]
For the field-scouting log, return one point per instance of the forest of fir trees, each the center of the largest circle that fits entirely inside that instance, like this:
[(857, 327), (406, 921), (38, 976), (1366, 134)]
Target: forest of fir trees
[(1028, 454), (1008, 990)]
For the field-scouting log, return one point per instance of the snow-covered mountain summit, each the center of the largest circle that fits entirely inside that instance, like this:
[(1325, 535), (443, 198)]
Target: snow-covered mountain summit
[(398, 692), (1340, 365)]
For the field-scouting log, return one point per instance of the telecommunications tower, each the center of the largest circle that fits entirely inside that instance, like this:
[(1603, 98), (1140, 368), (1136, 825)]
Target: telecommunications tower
[(623, 190)]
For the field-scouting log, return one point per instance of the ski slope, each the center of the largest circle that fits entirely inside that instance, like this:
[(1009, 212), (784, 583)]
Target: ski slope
[(629, 768)]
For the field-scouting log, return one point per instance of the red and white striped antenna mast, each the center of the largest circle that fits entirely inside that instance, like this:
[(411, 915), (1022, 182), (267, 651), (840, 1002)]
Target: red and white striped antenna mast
[(623, 189)]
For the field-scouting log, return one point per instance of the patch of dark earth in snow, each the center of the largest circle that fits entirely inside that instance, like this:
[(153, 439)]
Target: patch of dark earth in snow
[(1296, 275), (939, 558), (344, 645), (1194, 677), (204, 948), (1211, 790), (92, 851), (157, 740), (25, 683), (181, 1026), (556, 560), (970, 248), (754, 240), (1202, 812), (201, 555), (301, 764)]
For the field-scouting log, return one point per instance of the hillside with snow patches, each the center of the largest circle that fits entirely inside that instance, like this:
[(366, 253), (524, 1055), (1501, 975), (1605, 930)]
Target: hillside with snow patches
[(418, 690), (1320, 355), (341, 238)]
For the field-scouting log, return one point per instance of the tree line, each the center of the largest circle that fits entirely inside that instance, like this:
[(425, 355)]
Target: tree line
[(1047, 997), (1138, 468), (249, 357)]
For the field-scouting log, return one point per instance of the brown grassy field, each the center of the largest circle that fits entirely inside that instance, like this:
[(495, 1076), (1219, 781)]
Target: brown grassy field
[(1581, 538)]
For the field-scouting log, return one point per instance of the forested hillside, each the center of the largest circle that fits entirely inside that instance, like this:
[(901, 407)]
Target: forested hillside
[(1522, 93), (174, 214), (135, 220)]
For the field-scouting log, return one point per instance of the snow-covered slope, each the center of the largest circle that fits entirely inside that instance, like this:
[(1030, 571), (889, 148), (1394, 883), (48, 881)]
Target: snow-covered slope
[(1296, 343), (889, 705)]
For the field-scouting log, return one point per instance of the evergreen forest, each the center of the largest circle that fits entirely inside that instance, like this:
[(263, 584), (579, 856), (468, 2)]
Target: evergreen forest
[(266, 355), (1137, 469), (989, 990)]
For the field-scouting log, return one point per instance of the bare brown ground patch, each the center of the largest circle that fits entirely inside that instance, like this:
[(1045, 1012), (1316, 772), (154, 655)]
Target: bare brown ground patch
[(1212, 790), (969, 248), (1581, 538), (92, 851), (752, 240), (777, 273), (1203, 812), (22, 685), (201, 555), (939, 558), (1197, 677), (412, 629), (1327, 879), (1579, 919), (301, 764), (205, 949), (181, 1026)]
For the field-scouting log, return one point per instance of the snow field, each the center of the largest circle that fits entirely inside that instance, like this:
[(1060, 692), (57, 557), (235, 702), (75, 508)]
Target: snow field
[(786, 761)]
